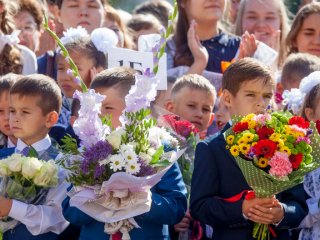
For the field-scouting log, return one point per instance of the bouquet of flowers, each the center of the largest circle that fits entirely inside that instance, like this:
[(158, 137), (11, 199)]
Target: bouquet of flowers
[(274, 151), (188, 133), (26, 179), (113, 171)]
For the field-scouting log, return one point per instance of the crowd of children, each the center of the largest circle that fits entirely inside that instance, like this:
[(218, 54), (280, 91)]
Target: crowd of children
[(224, 58)]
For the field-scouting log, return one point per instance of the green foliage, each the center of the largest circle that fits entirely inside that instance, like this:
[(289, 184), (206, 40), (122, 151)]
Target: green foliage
[(69, 145)]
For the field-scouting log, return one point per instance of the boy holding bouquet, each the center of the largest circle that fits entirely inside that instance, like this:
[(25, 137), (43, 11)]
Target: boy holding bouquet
[(35, 103), (248, 87), (168, 196)]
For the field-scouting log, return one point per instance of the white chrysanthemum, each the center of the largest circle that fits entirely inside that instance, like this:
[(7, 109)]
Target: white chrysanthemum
[(117, 162), (73, 34), (104, 161), (126, 148), (130, 156), (104, 39), (133, 168), (309, 82)]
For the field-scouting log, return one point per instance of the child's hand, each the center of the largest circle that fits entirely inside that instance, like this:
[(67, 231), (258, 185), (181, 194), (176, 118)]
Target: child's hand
[(266, 214), (247, 205), (183, 226), (5, 206), (199, 52), (248, 45)]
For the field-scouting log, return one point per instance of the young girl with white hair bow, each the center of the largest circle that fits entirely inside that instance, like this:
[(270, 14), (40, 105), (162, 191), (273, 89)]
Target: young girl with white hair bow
[(306, 101)]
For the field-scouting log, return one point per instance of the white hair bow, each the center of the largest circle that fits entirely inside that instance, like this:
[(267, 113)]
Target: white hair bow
[(104, 39), (11, 39)]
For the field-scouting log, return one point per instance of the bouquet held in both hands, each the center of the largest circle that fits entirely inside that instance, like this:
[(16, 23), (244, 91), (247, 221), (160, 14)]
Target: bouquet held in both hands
[(26, 179), (274, 152), (113, 171)]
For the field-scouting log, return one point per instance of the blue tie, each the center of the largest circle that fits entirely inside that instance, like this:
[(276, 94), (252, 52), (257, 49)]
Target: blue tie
[(25, 151)]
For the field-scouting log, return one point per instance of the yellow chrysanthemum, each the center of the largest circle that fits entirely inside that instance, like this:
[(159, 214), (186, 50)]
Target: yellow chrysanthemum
[(234, 150), (242, 140), (253, 144), (286, 150), (275, 137), (262, 162), (251, 124), (244, 148), (248, 136), (249, 117), (279, 142), (230, 139)]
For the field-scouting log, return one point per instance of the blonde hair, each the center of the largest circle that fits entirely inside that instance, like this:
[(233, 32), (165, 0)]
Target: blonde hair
[(193, 81), (304, 12), (284, 26)]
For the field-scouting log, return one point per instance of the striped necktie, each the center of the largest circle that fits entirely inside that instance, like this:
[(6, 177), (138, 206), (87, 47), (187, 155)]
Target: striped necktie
[(25, 151)]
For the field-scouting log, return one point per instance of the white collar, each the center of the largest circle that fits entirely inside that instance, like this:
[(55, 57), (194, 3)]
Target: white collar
[(10, 144), (39, 146)]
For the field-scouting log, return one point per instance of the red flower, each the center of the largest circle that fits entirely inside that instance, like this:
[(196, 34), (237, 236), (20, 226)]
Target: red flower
[(240, 127), (264, 132), (265, 147), (296, 160), (299, 121), (318, 125), (182, 127)]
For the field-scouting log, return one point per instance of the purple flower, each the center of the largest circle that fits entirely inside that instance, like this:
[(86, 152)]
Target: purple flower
[(145, 169), (69, 72), (77, 80), (101, 150)]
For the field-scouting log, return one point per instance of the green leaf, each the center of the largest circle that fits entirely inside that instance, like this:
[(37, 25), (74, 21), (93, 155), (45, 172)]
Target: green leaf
[(156, 156), (161, 164)]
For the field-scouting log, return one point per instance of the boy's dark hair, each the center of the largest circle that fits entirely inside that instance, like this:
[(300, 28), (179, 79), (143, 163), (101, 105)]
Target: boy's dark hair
[(193, 81), (243, 70), (43, 87), (298, 66), (85, 46), (140, 22), (118, 77), (158, 8), (7, 81)]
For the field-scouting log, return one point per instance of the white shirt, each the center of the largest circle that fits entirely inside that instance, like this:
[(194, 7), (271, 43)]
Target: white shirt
[(10, 144), (47, 217)]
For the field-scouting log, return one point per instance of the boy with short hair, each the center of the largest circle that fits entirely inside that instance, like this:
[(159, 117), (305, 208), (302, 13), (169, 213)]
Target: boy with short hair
[(35, 102), (193, 98), (168, 196), (248, 87)]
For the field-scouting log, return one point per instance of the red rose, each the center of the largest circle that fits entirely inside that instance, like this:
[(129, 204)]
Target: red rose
[(318, 125), (182, 127), (296, 160), (240, 127), (299, 121), (265, 147), (264, 132)]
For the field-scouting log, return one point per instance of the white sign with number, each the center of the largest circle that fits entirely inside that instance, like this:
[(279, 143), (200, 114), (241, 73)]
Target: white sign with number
[(118, 57)]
